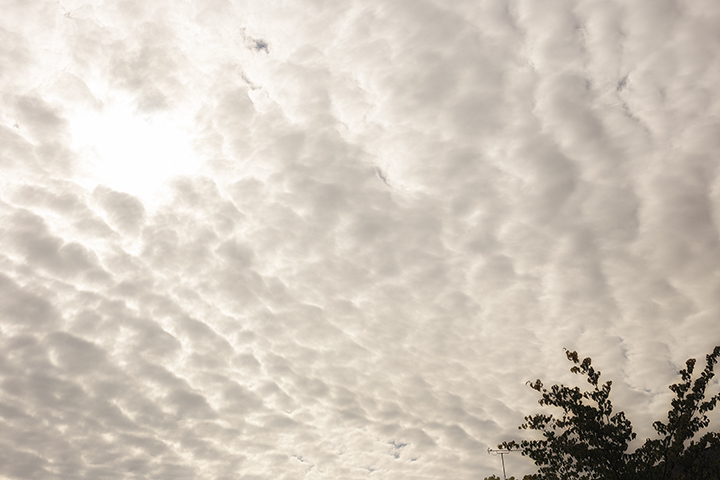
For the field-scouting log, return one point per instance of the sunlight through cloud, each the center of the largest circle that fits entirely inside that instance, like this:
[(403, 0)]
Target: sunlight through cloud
[(133, 152)]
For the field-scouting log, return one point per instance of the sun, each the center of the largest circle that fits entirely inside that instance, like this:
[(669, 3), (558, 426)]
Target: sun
[(131, 151)]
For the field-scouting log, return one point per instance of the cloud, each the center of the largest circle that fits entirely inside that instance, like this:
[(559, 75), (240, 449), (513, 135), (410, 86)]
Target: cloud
[(399, 214), (22, 307), (33, 240), (124, 211)]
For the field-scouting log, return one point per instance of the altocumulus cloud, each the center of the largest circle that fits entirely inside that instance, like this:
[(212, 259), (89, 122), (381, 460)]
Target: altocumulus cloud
[(258, 240)]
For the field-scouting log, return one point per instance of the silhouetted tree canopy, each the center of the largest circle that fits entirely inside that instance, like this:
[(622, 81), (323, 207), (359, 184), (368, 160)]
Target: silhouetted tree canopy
[(587, 441)]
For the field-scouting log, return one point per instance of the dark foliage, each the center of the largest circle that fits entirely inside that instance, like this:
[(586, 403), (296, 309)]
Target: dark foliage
[(587, 441)]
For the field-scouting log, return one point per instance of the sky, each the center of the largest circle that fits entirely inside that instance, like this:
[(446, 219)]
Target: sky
[(314, 239)]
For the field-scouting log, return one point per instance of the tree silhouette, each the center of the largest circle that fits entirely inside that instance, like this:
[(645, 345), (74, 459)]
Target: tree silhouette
[(587, 441)]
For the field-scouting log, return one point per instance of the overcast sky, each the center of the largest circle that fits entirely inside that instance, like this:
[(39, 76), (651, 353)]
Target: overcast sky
[(332, 239)]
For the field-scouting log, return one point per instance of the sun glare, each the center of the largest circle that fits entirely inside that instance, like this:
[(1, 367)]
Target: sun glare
[(132, 152)]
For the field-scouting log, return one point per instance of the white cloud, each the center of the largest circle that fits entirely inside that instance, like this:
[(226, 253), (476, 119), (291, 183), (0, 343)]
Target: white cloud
[(385, 223)]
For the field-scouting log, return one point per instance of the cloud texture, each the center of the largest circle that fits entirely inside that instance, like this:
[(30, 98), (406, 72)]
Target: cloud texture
[(359, 228)]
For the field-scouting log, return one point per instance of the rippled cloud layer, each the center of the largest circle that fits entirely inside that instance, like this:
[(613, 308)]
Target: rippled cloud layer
[(282, 240)]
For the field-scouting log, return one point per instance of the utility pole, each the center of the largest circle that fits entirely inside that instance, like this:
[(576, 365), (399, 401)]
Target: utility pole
[(502, 453)]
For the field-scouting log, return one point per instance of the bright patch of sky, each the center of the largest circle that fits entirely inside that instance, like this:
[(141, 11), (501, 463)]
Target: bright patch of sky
[(132, 152)]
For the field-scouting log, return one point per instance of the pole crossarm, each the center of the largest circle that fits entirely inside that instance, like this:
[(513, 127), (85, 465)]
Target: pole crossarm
[(502, 452)]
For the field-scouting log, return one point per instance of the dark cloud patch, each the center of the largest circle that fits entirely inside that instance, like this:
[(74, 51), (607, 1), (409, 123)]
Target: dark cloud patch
[(63, 202), (258, 44), (200, 333), (236, 256), (22, 464), (48, 131), (685, 215), (23, 307), (190, 405), (240, 401), (43, 121), (124, 211), (75, 355), (33, 240), (151, 339)]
